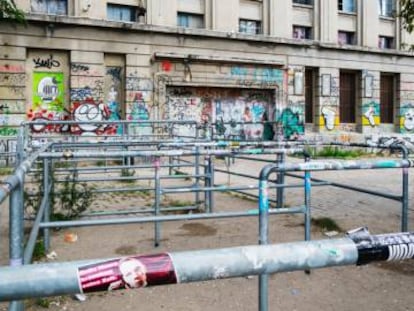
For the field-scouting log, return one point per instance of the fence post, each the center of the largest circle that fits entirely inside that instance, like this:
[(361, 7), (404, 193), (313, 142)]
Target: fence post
[(280, 159), (46, 217), (157, 225), (16, 231)]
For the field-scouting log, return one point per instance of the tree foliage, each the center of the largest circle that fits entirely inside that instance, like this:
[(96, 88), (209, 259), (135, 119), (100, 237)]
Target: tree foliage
[(10, 12), (407, 14)]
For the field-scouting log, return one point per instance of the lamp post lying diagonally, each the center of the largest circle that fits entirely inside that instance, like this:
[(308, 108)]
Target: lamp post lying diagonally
[(358, 247)]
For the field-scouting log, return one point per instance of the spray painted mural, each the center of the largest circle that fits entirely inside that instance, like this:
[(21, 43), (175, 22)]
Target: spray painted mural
[(371, 113), (234, 113), (113, 90), (407, 118), (48, 100)]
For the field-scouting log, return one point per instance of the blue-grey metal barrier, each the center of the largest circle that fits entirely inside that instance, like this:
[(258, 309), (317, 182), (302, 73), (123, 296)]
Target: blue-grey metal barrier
[(359, 247)]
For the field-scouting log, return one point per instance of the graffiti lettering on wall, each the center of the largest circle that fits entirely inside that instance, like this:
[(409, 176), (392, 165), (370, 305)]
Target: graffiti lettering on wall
[(257, 76), (291, 120), (95, 91), (371, 113), (115, 73), (79, 68), (225, 108), (134, 83), (13, 79), (139, 112), (5, 129), (113, 90), (86, 112), (77, 94), (89, 111), (46, 63), (12, 68), (407, 118)]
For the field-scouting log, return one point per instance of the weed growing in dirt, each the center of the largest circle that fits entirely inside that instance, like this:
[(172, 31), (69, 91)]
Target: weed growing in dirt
[(326, 224)]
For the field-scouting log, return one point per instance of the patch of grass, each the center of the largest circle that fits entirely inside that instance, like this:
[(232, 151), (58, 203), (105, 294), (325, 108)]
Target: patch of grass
[(336, 152), (181, 173), (39, 251), (6, 171), (43, 302), (326, 224), (127, 173), (100, 163)]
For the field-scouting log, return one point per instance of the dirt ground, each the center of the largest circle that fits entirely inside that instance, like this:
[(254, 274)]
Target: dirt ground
[(376, 287)]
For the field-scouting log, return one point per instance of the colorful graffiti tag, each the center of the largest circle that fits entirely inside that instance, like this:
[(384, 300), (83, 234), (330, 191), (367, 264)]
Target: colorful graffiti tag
[(225, 108), (371, 113), (291, 120), (88, 112), (139, 112), (48, 101), (407, 118)]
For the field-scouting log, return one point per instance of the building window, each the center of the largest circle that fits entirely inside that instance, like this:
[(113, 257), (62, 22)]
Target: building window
[(190, 20), (302, 32), (55, 7), (250, 27), (346, 37), (124, 13), (386, 8), (385, 42), (347, 6), (306, 2)]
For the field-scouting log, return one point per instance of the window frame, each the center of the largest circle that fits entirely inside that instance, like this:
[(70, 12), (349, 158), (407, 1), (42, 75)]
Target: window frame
[(383, 10), (132, 12), (350, 37), (341, 7), (190, 16), (258, 27), (49, 11), (390, 42), (308, 32), (302, 2)]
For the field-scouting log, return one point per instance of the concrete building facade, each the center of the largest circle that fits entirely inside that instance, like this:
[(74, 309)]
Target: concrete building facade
[(338, 68)]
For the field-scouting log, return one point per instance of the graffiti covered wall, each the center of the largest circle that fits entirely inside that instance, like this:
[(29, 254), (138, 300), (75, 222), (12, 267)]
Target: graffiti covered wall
[(226, 108), (12, 96)]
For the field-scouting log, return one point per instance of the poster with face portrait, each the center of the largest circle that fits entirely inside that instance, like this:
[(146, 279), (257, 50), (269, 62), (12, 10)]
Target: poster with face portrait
[(127, 272)]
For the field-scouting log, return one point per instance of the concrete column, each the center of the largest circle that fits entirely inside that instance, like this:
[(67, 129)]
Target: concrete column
[(280, 21), (328, 21), (370, 23)]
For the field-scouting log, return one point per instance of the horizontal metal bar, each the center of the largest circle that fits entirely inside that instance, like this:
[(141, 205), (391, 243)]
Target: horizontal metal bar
[(52, 279), (164, 218), (358, 189), (160, 153)]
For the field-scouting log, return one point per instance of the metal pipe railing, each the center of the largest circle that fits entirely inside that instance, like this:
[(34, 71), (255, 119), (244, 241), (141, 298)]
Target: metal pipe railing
[(52, 279)]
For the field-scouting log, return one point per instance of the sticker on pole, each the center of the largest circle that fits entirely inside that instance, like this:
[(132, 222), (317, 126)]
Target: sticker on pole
[(127, 272)]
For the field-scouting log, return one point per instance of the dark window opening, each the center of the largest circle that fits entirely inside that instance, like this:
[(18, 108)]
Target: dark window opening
[(309, 74), (302, 32), (347, 97), (387, 98)]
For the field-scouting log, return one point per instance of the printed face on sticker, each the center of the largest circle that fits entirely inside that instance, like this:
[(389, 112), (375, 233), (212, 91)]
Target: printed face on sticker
[(133, 272)]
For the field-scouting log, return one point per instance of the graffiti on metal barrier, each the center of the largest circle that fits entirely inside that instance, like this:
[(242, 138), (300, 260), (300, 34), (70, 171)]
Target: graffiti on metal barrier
[(127, 272)]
